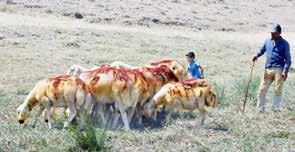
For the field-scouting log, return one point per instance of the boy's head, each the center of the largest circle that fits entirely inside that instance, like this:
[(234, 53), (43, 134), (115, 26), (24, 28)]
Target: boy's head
[(190, 56)]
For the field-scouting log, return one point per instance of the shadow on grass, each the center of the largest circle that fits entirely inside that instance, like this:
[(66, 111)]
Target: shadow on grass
[(149, 123)]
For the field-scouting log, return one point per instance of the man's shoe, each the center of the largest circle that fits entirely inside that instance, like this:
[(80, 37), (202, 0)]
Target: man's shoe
[(276, 110), (261, 110)]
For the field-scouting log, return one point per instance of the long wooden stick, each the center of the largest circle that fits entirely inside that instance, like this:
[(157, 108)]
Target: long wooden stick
[(248, 85)]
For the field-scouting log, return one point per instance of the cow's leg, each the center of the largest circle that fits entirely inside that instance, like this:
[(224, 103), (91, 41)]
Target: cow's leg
[(72, 115), (81, 105), (88, 104), (73, 111), (168, 116), (203, 115), (116, 119), (155, 115), (94, 112), (83, 118), (121, 98), (124, 118), (47, 105), (109, 112), (94, 106), (98, 111), (139, 115), (44, 115), (53, 113), (101, 113), (130, 114), (37, 115), (117, 116), (181, 114)]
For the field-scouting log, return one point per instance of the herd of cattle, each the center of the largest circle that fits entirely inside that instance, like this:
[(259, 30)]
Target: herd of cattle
[(133, 92)]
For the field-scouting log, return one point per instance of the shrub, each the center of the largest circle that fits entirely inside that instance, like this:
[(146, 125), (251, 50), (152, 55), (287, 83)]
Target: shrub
[(222, 98), (241, 85), (88, 139)]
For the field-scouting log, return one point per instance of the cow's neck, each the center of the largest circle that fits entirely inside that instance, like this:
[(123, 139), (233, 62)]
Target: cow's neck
[(31, 101)]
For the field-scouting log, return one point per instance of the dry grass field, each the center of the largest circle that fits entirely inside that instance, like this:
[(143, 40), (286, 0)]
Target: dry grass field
[(40, 38)]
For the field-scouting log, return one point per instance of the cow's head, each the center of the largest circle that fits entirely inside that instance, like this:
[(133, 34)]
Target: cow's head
[(211, 99), (178, 69), (23, 112), (150, 109)]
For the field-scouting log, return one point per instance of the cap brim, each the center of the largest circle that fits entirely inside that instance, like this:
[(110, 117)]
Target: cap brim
[(274, 31)]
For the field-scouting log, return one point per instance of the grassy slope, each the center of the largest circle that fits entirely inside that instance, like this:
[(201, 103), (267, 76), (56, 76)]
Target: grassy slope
[(30, 53)]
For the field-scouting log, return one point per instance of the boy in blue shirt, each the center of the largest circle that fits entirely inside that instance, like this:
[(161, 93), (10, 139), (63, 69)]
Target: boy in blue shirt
[(195, 70)]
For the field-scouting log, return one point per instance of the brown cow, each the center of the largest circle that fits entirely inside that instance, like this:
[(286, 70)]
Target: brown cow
[(189, 95), (123, 87), (62, 91), (155, 76)]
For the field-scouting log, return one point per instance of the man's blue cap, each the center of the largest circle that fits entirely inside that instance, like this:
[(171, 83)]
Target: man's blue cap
[(276, 28)]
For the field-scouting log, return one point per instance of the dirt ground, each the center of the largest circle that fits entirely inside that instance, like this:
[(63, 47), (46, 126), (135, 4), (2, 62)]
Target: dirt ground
[(42, 38)]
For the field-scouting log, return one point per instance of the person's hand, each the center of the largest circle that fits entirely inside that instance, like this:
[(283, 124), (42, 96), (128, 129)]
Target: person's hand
[(254, 59), (284, 76)]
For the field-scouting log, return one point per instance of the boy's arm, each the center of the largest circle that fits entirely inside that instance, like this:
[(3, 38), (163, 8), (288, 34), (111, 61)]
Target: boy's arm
[(202, 71), (189, 74)]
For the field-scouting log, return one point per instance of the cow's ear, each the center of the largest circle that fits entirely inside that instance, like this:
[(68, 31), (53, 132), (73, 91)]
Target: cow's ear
[(30, 107)]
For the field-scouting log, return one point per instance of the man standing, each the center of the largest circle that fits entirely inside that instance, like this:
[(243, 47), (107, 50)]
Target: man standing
[(278, 61)]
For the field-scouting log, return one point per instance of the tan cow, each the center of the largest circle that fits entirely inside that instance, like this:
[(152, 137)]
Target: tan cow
[(156, 75), (177, 68), (125, 88), (188, 95), (62, 91), (74, 70)]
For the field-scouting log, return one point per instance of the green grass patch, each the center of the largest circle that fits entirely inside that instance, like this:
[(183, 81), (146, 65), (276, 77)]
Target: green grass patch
[(88, 139), (41, 143), (248, 144), (222, 97), (229, 95), (279, 134), (59, 122), (22, 91), (4, 99), (240, 87)]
